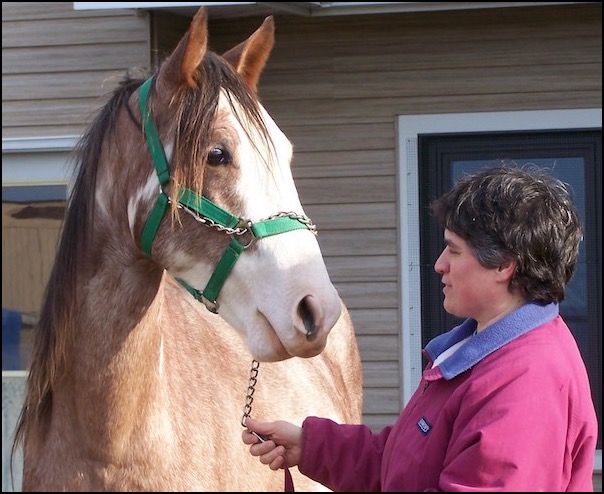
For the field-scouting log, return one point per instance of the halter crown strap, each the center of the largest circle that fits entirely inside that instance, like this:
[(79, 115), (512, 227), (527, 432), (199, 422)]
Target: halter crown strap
[(153, 143), (158, 156), (206, 210)]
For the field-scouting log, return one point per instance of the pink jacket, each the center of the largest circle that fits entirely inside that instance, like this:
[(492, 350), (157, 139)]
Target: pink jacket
[(511, 410)]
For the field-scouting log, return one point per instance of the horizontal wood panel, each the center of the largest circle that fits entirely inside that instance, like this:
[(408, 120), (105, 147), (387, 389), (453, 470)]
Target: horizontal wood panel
[(369, 295), (20, 120), (381, 400), (375, 321), (59, 65), (319, 111), (351, 190), (358, 242), (382, 348), (76, 112), (385, 47), (337, 163), (357, 267), (87, 31), (436, 26), (422, 53), (572, 31), (122, 56), (26, 131), (381, 374), (166, 30), (452, 82), (29, 87), (341, 137), (357, 216), (483, 80), (466, 53)]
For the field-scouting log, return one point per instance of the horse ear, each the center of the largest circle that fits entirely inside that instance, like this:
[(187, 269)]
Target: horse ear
[(182, 64), (196, 46), (249, 58)]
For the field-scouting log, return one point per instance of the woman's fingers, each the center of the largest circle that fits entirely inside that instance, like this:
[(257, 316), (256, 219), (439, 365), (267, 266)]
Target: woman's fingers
[(249, 438), (271, 456)]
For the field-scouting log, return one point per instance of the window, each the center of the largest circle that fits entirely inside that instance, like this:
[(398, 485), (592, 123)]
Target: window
[(31, 221)]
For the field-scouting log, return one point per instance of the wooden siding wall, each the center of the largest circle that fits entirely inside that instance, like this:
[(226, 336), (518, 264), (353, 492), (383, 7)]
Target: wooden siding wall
[(335, 85), (58, 64)]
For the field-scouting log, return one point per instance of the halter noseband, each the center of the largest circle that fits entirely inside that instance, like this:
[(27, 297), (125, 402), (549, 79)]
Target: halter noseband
[(205, 211)]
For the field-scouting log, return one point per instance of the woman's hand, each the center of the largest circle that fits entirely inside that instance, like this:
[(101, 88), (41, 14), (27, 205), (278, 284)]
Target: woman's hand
[(282, 442)]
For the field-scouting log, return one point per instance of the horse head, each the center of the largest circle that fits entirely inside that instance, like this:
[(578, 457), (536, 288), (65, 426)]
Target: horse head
[(217, 206)]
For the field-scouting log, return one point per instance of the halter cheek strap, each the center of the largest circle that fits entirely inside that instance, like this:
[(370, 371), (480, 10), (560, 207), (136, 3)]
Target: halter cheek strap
[(207, 212)]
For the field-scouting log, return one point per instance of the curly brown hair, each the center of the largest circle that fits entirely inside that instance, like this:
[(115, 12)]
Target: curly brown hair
[(523, 213)]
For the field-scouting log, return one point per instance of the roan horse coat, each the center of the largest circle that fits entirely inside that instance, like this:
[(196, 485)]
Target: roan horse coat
[(134, 384)]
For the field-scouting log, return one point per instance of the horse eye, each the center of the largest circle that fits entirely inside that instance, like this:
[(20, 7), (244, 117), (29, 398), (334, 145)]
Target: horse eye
[(219, 157)]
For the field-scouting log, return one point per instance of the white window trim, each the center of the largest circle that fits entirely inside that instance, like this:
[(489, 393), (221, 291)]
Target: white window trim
[(37, 161), (409, 128)]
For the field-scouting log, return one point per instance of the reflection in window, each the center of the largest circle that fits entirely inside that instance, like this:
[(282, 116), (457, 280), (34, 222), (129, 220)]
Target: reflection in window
[(31, 220)]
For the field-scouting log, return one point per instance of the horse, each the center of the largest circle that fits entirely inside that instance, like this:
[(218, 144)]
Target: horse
[(188, 284)]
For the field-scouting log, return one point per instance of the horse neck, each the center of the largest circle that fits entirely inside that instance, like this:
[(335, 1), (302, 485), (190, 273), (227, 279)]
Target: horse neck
[(116, 287), (116, 364), (117, 337)]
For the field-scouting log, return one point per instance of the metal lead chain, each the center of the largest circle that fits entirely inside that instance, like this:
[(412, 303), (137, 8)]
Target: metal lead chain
[(247, 409)]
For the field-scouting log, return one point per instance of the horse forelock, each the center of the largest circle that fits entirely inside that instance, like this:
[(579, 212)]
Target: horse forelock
[(196, 112)]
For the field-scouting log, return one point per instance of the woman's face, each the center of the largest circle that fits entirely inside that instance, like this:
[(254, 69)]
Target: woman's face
[(470, 290)]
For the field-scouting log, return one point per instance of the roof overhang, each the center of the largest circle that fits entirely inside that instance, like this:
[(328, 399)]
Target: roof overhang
[(305, 9)]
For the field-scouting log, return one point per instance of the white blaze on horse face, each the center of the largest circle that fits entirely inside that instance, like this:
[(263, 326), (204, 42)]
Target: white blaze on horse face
[(279, 290)]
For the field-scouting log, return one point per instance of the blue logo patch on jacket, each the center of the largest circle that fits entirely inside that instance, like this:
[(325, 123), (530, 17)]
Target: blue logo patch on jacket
[(424, 426)]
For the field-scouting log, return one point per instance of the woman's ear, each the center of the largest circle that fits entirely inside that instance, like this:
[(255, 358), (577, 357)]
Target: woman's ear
[(507, 271)]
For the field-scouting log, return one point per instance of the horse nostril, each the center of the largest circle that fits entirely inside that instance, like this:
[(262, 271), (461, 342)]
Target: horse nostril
[(306, 313)]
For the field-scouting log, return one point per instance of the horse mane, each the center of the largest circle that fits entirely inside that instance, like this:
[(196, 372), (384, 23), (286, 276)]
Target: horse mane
[(193, 111)]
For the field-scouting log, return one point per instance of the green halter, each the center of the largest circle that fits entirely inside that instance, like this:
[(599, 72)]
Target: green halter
[(206, 212)]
